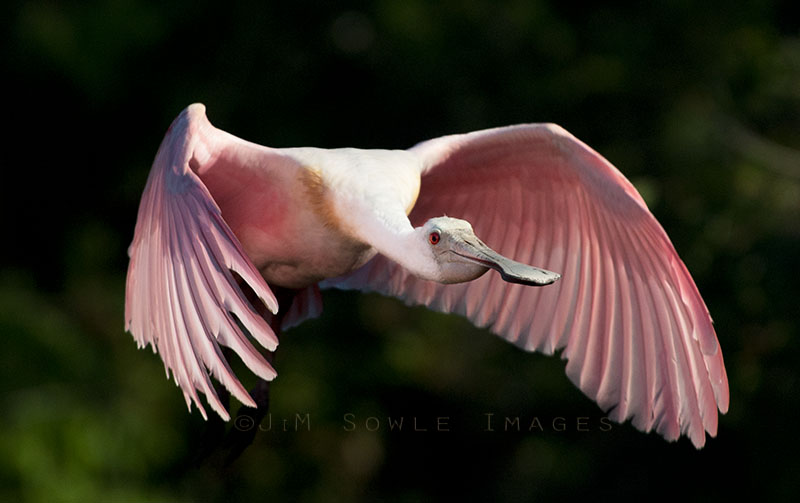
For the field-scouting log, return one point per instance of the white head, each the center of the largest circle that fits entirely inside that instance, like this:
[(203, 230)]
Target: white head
[(455, 255)]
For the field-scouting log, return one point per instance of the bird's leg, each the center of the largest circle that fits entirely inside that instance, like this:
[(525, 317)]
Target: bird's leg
[(247, 420), (214, 447), (214, 431)]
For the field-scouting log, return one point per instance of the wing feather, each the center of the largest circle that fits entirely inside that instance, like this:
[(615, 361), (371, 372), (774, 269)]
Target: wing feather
[(486, 305), (634, 330), (182, 297)]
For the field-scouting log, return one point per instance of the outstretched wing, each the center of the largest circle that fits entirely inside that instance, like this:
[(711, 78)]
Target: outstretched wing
[(181, 295), (635, 331)]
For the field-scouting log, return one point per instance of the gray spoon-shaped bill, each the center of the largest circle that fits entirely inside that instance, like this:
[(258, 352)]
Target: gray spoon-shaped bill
[(510, 270)]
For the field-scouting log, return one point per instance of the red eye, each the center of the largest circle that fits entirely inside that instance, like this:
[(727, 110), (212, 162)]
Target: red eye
[(434, 237)]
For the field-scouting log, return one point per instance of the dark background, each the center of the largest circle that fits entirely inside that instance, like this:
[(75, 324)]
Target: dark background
[(697, 102)]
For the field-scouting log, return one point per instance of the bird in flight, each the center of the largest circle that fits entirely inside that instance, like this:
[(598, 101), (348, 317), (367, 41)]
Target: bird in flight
[(452, 224)]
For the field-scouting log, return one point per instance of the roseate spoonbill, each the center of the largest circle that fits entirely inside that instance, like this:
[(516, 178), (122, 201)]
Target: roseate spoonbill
[(635, 331)]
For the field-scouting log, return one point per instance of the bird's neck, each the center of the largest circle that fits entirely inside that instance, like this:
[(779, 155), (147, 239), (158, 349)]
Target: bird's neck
[(413, 253), (397, 240)]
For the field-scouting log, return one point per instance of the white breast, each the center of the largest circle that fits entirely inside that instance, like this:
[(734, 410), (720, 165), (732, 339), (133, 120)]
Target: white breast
[(365, 184), (349, 193)]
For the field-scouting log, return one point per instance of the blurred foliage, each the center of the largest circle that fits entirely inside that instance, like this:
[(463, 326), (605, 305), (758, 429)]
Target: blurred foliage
[(697, 102)]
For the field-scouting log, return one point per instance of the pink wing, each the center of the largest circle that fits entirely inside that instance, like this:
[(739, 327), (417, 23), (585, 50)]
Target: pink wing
[(181, 295), (635, 331)]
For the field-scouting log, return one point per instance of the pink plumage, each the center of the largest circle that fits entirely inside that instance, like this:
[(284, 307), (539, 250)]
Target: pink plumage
[(634, 329), (630, 320)]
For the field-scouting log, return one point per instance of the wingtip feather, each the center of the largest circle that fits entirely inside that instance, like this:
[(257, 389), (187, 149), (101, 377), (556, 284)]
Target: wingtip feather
[(163, 307)]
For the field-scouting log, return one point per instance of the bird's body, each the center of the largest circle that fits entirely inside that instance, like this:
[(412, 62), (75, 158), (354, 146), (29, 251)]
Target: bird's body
[(313, 207), (636, 333)]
